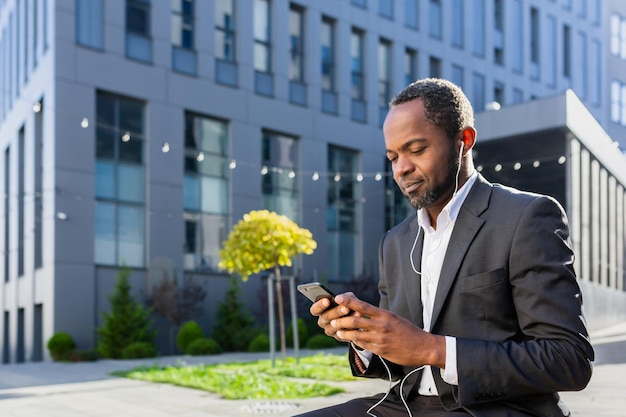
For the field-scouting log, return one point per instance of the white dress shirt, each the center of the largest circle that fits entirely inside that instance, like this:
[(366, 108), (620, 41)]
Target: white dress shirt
[(434, 250)]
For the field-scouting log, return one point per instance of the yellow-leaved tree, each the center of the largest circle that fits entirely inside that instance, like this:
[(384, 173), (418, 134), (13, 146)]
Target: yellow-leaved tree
[(265, 240)]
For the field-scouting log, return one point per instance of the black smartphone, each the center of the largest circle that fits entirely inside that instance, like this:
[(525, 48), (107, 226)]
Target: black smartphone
[(315, 291)]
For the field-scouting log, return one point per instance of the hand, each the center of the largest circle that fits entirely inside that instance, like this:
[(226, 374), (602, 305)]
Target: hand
[(325, 314), (383, 333)]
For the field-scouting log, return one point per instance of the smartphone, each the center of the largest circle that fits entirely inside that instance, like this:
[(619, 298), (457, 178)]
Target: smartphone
[(315, 291)]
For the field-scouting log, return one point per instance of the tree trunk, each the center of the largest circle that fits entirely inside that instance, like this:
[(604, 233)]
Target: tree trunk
[(281, 313)]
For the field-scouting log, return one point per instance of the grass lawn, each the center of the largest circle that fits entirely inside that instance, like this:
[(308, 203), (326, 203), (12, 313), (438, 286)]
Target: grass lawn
[(255, 380)]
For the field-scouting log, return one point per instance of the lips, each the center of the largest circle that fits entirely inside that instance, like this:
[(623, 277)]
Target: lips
[(411, 186)]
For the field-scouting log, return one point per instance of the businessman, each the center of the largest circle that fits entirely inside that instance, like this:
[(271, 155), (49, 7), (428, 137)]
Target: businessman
[(480, 311)]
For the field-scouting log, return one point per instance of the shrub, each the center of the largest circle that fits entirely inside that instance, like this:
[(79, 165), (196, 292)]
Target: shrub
[(204, 346), (321, 341), (138, 350), (126, 323), (234, 323), (188, 332), (60, 344), (261, 343), (303, 332)]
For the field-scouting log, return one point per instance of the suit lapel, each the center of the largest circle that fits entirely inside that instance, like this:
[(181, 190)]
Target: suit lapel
[(412, 280), (467, 225)]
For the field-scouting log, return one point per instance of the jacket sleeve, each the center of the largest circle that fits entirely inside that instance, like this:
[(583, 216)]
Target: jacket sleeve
[(551, 351)]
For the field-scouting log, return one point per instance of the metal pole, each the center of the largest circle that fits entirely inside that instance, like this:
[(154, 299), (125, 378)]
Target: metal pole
[(294, 317), (270, 306)]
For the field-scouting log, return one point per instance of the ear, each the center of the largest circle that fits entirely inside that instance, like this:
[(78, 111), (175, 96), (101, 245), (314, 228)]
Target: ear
[(468, 137)]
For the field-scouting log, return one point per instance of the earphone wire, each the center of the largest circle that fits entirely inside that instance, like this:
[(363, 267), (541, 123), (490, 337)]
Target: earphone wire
[(406, 406), (419, 229)]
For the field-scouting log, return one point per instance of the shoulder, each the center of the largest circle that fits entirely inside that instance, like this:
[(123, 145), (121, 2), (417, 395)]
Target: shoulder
[(502, 195)]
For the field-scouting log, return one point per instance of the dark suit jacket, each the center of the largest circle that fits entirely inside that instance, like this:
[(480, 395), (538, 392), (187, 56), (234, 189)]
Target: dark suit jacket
[(508, 293)]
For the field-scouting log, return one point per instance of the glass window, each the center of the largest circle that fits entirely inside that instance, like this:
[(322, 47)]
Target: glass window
[(357, 68), (457, 75), (138, 17), (225, 30), (435, 19), (328, 54), (567, 51), (296, 44), (517, 34), (410, 66), (262, 36), (183, 23), (411, 13), (343, 213), (384, 73), (138, 42), (435, 67), (385, 8), (615, 34), (120, 181), (279, 181), (397, 208), (479, 28), (205, 194), (458, 24), (89, 23), (478, 85), (535, 36)]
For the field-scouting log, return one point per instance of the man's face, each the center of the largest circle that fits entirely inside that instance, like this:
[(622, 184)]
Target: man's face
[(423, 158)]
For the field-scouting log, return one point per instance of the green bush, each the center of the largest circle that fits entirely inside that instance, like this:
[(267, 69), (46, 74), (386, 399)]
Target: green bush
[(233, 329), (126, 323), (188, 332), (139, 350), (303, 333), (204, 346), (321, 341), (261, 343), (59, 345)]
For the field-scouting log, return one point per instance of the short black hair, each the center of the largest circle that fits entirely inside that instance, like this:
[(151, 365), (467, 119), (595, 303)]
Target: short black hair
[(445, 104)]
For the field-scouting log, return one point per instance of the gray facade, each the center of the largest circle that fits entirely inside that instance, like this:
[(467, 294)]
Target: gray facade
[(101, 117)]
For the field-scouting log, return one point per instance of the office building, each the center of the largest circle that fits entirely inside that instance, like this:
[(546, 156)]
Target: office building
[(136, 133)]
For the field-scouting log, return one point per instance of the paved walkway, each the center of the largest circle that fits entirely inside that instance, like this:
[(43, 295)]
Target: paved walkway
[(87, 389)]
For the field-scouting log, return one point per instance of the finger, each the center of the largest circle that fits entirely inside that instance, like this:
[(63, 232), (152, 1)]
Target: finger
[(319, 306), (358, 306)]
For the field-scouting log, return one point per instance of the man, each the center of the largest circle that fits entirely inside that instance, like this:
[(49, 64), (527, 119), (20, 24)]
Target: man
[(480, 312)]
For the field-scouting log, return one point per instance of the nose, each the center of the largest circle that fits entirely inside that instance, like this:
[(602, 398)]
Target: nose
[(402, 166)]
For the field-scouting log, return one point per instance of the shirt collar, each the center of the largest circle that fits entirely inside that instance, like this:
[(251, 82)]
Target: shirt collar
[(451, 210)]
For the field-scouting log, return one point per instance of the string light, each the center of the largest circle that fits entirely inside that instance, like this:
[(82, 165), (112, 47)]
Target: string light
[(166, 147)]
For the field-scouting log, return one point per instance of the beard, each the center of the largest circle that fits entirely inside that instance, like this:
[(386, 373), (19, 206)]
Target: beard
[(436, 191)]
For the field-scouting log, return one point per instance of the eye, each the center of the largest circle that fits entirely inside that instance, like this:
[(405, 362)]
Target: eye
[(417, 151)]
